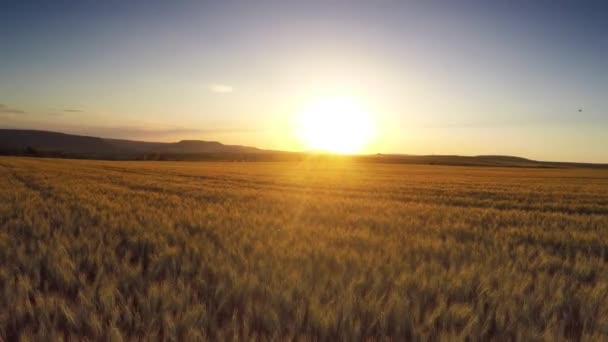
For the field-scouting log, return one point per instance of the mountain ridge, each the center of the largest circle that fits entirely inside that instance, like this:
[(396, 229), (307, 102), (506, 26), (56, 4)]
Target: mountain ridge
[(48, 141), (38, 143)]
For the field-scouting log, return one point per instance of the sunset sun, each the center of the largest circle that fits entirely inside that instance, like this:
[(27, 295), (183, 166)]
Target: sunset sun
[(335, 124)]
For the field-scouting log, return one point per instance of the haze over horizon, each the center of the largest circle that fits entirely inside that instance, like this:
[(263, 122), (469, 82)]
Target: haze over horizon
[(481, 77)]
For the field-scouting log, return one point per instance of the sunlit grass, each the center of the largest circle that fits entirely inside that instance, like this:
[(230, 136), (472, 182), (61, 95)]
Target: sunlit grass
[(320, 250)]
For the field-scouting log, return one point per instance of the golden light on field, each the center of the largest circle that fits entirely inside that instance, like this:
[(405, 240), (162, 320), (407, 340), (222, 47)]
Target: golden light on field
[(335, 124)]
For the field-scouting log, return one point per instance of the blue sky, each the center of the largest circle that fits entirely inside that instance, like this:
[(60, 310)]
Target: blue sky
[(478, 77)]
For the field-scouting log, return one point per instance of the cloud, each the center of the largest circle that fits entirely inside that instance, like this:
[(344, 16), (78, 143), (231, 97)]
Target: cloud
[(4, 109), (154, 133), (127, 132), (71, 110), (221, 88)]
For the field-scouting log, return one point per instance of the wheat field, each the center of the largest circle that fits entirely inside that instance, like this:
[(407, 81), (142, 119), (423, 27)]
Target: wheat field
[(323, 250)]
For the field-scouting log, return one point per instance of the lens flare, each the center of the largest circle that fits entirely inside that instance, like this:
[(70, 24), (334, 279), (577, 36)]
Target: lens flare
[(335, 124)]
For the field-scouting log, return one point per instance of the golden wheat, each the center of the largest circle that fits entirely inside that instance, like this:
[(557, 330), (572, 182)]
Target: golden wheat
[(324, 250)]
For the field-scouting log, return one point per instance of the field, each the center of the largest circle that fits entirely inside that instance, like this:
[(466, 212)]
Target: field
[(325, 250)]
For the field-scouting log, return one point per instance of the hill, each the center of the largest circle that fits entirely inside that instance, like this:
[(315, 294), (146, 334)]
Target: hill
[(52, 144), (483, 160), (55, 144)]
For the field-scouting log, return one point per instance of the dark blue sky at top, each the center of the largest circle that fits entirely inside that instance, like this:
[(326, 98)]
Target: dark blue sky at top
[(565, 40), (568, 33), (564, 34)]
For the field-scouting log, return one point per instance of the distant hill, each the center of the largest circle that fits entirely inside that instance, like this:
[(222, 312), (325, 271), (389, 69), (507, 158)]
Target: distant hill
[(54, 144), (60, 144), (487, 160), (484, 160)]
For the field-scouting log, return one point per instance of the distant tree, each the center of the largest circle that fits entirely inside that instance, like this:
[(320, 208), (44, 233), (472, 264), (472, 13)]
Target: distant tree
[(152, 156), (31, 151)]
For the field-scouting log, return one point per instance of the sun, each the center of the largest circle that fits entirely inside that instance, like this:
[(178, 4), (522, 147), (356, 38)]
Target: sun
[(335, 124)]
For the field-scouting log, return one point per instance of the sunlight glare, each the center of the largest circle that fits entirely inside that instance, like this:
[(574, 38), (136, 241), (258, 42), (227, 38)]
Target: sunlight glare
[(335, 124)]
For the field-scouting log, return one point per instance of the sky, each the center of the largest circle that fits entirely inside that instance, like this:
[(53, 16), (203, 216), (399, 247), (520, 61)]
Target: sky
[(437, 77)]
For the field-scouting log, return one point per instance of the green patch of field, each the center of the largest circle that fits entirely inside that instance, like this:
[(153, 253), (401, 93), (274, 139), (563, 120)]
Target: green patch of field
[(323, 250)]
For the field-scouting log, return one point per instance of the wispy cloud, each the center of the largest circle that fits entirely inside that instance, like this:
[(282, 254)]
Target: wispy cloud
[(135, 132), (221, 88), (4, 109), (154, 133), (72, 110)]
